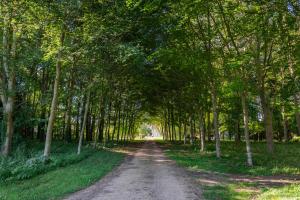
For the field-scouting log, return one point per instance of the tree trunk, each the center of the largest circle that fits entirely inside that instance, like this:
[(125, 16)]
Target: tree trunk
[(114, 125), (297, 113), (8, 115), (107, 131), (173, 125), (68, 131), (268, 122), (179, 131), (86, 110), (208, 127), (93, 125), (191, 131), (216, 122), (54, 100), (184, 132), (124, 121), (285, 125), (78, 120), (119, 124), (202, 133), (88, 125), (7, 90), (246, 128), (101, 122)]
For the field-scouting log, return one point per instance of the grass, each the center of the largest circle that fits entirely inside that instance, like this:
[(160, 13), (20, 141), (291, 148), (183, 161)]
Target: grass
[(284, 162), (57, 181), (228, 191), (288, 192), (27, 160)]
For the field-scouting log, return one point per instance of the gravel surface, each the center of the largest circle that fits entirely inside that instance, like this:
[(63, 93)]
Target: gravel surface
[(146, 175)]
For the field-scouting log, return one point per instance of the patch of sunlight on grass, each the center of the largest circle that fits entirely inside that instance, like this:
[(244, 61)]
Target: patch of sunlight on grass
[(229, 192), (284, 161), (290, 192)]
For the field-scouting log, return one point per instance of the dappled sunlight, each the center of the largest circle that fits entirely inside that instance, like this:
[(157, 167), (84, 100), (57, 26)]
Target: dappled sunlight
[(162, 160), (207, 181), (209, 87)]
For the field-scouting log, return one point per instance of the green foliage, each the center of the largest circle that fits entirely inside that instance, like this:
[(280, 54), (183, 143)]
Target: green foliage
[(165, 58), (144, 131), (28, 161)]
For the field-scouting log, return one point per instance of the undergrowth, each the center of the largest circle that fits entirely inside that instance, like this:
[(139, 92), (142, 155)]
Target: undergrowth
[(27, 160)]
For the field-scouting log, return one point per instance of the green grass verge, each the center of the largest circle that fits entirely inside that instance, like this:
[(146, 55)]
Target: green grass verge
[(291, 192), (63, 180), (227, 192), (27, 160), (284, 161)]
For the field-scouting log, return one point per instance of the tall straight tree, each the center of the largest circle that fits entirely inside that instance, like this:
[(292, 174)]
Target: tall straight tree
[(8, 74), (55, 95)]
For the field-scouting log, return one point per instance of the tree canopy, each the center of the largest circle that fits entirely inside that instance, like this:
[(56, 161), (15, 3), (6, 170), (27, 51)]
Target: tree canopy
[(93, 71)]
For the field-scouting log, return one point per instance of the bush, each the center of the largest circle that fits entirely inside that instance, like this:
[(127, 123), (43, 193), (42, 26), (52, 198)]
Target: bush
[(27, 164)]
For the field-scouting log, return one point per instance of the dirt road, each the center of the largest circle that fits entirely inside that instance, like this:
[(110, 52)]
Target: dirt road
[(146, 175)]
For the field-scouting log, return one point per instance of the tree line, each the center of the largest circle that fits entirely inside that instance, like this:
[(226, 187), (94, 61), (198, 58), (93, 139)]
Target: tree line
[(241, 60), (89, 70), (68, 72)]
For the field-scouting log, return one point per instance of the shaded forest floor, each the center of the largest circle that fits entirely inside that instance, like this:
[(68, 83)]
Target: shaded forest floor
[(274, 176), (25, 175)]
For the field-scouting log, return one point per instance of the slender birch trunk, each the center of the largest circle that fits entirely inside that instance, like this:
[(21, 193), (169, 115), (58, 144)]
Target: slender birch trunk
[(216, 122), (54, 99), (246, 128), (284, 124), (8, 86), (86, 110), (184, 132), (202, 133)]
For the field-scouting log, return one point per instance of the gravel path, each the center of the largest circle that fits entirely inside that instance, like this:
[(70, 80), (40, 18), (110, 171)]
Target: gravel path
[(146, 175)]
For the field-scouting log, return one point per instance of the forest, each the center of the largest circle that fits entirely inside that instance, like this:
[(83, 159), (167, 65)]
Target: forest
[(80, 75)]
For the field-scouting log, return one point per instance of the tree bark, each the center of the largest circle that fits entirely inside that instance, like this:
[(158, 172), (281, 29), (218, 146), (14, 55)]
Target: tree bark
[(179, 130), (268, 121), (184, 132), (297, 113), (8, 86), (115, 118), (285, 125), (54, 99), (246, 128), (68, 130), (208, 127), (216, 122), (86, 110), (107, 131), (8, 112), (202, 133)]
